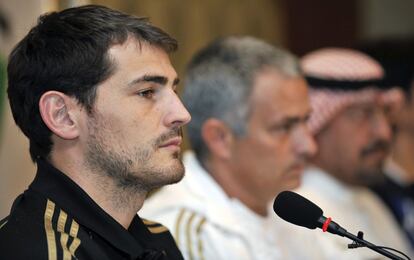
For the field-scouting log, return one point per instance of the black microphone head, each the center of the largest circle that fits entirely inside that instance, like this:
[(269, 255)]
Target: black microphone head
[(297, 210)]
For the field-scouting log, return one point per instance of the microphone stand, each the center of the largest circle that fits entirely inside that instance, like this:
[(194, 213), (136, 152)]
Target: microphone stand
[(361, 242), (327, 225)]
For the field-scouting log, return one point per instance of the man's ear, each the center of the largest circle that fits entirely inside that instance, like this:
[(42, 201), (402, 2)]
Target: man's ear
[(59, 113), (218, 137)]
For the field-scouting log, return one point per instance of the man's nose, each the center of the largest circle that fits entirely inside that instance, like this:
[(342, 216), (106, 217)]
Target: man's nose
[(381, 127), (177, 115), (305, 143)]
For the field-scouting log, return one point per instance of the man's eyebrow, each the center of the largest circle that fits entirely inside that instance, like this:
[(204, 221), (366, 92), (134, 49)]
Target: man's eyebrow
[(292, 120), (297, 119), (161, 80)]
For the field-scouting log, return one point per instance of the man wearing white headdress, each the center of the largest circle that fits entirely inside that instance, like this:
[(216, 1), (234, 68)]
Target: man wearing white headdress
[(349, 122)]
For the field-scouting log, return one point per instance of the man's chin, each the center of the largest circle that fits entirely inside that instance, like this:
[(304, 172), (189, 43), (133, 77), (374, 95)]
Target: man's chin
[(373, 167), (175, 173), (370, 176), (293, 182), (177, 177)]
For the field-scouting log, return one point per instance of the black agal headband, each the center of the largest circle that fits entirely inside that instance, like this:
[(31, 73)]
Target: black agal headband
[(351, 85)]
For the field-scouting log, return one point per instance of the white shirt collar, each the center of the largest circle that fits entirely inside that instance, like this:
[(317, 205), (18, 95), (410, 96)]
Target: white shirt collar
[(203, 185), (316, 177)]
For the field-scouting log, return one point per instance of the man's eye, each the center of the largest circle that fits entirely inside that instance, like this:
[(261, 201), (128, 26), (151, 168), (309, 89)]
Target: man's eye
[(361, 114), (287, 127), (148, 93), (284, 128)]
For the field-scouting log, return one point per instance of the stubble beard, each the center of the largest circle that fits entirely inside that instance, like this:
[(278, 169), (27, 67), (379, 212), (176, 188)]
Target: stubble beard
[(130, 172), (371, 174)]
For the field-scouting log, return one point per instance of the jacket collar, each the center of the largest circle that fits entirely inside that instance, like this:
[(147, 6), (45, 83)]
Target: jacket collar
[(58, 187)]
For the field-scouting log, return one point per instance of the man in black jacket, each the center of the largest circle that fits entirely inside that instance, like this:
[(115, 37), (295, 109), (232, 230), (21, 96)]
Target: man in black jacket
[(93, 89)]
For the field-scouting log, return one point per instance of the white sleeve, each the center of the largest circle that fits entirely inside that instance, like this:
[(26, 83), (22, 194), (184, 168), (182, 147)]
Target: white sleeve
[(197, 238)]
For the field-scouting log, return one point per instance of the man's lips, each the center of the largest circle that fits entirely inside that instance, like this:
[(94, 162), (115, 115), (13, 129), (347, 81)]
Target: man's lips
[(298, 167), (176, 141), (379, 154)]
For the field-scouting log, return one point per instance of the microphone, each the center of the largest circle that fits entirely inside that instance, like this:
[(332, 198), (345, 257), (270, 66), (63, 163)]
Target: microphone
[(300, 211)]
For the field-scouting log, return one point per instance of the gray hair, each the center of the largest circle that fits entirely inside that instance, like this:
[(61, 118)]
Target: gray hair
[(219, 82)]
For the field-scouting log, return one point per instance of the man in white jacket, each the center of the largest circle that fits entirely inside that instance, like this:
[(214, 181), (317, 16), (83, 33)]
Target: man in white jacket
[(350, 124), (249, 104)]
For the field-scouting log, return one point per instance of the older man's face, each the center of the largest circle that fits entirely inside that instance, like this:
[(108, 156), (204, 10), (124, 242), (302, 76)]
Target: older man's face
[(355, 143), (272, 154)]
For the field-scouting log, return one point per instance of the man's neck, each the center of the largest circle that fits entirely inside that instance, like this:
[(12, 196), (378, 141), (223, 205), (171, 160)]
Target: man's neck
[(402, 152), (121, 204), (222, 175), (335, 172)]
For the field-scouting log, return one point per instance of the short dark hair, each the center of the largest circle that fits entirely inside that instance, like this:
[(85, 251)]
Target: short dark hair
[(67, 51)]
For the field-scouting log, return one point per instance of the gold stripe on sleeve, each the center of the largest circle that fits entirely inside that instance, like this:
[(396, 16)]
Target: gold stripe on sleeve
[(50, 233), (64, 242), (149, 222), (154, 227), (62, 221), (2, 225), (63, 236), (74, 228), (177, 226), (157, 230), (188, 233), (200, 242)]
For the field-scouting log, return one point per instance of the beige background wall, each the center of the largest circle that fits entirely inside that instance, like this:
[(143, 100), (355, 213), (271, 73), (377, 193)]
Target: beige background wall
[(196, 22), (16, 169)]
